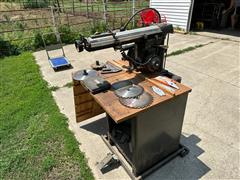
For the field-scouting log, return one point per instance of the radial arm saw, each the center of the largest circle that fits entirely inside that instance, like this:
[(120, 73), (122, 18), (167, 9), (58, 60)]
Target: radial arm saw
[(143, 47), (145, 110)]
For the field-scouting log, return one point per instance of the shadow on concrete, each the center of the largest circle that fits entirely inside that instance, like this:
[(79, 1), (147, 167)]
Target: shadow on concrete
[(100, 127), (63, 68), (97, 127), (230, 32), (188, 167)]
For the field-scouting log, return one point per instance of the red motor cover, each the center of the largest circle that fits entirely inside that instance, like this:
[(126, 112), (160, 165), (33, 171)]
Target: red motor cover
[(148, 17)]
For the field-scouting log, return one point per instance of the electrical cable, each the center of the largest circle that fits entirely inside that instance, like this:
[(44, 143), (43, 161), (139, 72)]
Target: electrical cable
[(123, 28)]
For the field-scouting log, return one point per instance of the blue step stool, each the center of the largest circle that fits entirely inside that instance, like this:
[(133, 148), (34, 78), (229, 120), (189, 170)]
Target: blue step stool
[(59, 62), (55, 62)]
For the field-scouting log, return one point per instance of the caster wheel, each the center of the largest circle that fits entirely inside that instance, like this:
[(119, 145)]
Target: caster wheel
[(184, 152)]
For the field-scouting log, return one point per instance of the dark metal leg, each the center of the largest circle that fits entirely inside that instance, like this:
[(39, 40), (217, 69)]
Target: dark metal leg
[(182, 151), (105, 140)]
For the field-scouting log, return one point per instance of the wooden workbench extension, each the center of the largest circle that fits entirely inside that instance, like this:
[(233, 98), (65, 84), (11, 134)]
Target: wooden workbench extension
[(85, 106)]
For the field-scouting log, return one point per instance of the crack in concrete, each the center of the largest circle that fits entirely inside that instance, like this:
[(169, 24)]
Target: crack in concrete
[(188, 49)]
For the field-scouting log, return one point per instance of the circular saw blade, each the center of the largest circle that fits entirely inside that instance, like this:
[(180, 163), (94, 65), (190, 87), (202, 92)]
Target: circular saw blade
[(120, 84), (140, 102), (83, 74), (131, 91)]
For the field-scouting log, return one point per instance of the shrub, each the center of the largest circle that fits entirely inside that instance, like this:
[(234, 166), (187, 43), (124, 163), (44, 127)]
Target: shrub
[(36, 3), (67, 34), (38, 42), (7, 49), (25, 44), (98, 27)]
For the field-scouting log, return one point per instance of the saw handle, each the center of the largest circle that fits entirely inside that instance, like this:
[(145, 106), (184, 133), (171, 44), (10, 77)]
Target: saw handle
[(162, 81)]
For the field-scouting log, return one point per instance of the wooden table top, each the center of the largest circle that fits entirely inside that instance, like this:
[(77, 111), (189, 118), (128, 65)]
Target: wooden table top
[(110, 103)]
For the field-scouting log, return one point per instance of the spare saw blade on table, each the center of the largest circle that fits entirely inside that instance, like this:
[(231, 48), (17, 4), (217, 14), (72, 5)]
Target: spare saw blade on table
[(141, 101), (83, 74), (121, 84), (131, 91)]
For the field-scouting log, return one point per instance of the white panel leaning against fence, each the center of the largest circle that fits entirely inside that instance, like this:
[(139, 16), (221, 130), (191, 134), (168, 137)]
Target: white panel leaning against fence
[(177, 12)]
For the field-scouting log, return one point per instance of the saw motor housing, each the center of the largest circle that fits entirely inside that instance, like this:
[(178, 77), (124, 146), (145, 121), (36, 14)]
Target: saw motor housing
[(144, 47), (147, 54)]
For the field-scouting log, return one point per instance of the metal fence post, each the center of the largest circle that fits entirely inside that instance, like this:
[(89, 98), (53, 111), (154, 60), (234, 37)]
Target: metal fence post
[(114, 18), (133, 11), (63, 10), (68, 19), (105, 11), (87, 10), (55, 28), (93, 16), (73, 8)]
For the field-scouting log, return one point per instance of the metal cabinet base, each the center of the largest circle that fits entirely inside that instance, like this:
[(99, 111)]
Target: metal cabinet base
[(182, 151), (152, 138)]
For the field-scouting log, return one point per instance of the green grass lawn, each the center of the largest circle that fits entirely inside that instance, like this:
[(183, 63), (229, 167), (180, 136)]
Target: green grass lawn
[(35, 140)]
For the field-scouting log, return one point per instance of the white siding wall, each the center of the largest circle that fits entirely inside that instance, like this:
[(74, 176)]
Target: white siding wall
[(177, 12)]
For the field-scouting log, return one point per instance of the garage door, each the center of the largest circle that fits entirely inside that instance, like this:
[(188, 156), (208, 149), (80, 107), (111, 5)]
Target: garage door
[(176, 12)]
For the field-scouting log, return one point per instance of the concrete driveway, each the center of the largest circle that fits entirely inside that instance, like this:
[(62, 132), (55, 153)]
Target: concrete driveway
[(211, 125)]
